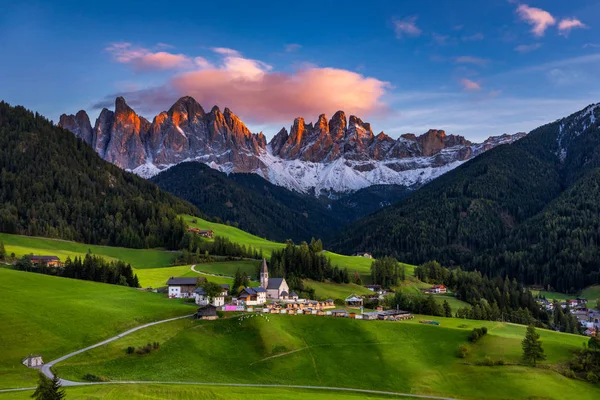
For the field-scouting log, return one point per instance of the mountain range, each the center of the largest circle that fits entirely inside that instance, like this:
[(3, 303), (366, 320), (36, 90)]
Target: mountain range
[(529, 210), (338, 155)]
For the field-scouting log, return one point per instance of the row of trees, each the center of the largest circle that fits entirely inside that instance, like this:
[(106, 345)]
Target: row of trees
[(387, 272), (198, 249), (90, 268), (419, 304), (305, 261), (490, 299)]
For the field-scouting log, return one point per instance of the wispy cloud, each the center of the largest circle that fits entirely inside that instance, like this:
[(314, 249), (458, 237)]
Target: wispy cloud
[(591, 46), (471, 60), (473, 38), (469, 85), (225, 51), (407, 27), (527, 48), (144, 59), (538, 18), (566, 25), (292, 47)]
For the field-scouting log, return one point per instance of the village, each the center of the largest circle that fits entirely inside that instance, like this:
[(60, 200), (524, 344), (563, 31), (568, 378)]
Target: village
[(273, 296)]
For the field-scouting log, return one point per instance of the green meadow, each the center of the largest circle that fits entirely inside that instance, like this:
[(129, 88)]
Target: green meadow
[(323, 351), (326, 290), (138, 258), (194, 392), (592, 293), (158, 277), (52, 316)]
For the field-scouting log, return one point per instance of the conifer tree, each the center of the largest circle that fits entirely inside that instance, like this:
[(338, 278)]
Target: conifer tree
[(532, 347), (2, 251), (48, 389)]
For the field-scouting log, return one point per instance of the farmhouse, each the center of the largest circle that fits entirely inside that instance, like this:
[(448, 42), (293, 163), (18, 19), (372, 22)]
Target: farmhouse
[(50, 261), (438, 289), (207, 312), (225, 289), (33, 361), (354, 300), (275, 287), (340, 313), (203, 299), (181, 287), (363, 254), (253, 296), (207, 233)]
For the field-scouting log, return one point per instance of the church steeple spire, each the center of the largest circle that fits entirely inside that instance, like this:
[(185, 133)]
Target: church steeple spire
[(264, 274)]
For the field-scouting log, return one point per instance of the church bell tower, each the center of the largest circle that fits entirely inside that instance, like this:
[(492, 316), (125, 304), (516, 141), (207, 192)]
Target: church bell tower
[(264, 275)]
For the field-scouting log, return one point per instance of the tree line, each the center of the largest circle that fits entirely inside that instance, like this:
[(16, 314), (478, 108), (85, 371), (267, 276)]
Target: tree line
[(196, 249), (387, 272), (90, 268)]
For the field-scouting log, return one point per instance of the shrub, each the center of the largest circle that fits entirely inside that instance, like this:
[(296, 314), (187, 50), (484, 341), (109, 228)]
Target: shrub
[(189, 300), (569, 373), (477, 333), (592, 377), (487, 361), (94, 378), (499, 362), (155, 345), (463, 351), (339, 302), (130, 350)]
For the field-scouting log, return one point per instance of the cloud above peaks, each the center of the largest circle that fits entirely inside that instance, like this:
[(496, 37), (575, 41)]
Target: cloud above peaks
[(565, 26), (538, 18), (255, 90), (407, 27), (142, 59)]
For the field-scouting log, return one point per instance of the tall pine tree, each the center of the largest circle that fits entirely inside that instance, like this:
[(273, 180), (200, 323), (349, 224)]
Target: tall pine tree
[(532, 347)]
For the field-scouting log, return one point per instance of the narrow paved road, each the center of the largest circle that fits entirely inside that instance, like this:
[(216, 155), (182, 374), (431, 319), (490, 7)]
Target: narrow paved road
[(193, 268), (46, 371)]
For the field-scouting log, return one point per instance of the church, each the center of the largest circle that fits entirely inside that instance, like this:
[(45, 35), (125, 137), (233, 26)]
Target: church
[(277, 288)]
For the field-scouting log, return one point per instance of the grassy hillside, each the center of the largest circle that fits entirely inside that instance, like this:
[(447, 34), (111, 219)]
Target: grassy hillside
[(310, 350), (157, 277), (360, 264), (191, 392), (138, 258), (51, 316), (591, 293)]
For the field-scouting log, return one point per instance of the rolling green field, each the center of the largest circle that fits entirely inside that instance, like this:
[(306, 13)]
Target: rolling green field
[(323, 351), (194, 392), (52, 316), (229, 268), (325, 291), (360, 264), (138, 258)]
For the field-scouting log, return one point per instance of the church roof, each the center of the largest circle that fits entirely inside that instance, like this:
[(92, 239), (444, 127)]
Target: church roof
[(284, 293), (275, 283)]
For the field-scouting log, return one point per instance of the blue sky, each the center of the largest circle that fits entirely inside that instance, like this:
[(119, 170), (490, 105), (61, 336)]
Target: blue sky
[(474, 68)]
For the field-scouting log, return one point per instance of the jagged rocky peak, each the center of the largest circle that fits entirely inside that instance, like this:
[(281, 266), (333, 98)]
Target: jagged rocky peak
[(337, 125), (79, 124), (186, 108)]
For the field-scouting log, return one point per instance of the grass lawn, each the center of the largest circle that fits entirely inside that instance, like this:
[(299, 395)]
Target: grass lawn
[(194, 392), (229, 268), (455, 303), (138, 258), (553, 295), (325, 290), (393, 356), (158, 277), (591, 293), (52, 316), (360, 264)]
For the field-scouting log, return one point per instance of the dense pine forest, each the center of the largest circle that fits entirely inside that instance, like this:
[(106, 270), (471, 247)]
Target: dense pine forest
[(54, 185), (529, 210)]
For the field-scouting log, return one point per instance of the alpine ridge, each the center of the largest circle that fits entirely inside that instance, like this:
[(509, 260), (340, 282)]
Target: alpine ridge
[(338, 155)]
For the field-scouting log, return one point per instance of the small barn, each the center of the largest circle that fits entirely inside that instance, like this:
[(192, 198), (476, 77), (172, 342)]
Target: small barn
[(354, 300), (33, 361), (207, 312), (339, 313), (50, 261)]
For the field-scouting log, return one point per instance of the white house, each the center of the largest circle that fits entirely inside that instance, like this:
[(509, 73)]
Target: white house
[(181, 287), (33, 361), (202, 299), (275, 287)]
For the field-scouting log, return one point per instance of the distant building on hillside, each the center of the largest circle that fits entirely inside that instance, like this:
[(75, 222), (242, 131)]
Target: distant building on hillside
[(207, 233), (50, 261), (354, 300), (33, 361), (253, 296), (437, 289), (363, 254), (182, 287)]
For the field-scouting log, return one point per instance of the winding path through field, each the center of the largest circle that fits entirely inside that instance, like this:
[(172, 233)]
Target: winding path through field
[(193, 268), (46, 371)]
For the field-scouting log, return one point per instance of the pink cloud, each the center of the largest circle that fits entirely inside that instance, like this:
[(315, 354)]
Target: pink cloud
[(292, 47), (540, 19), (469, 85), (258, 93), (565, 26), (225, 51), (144, 59), (471, 60), (407, 26)]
